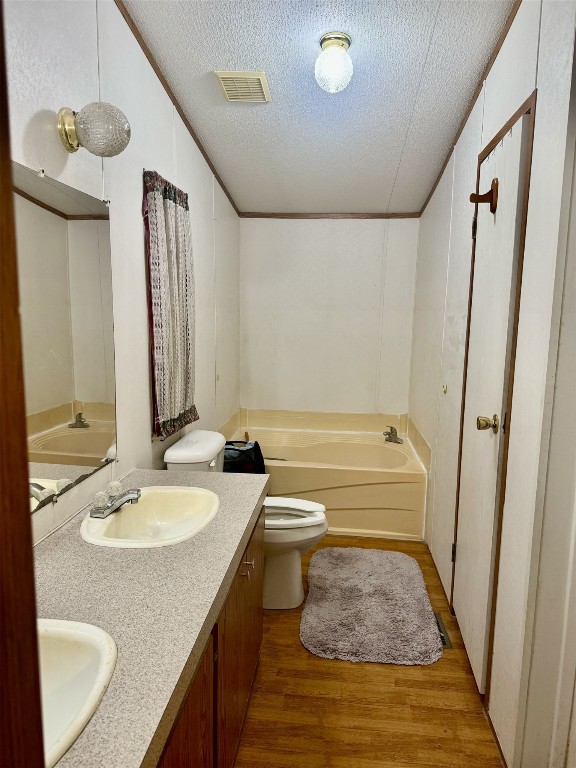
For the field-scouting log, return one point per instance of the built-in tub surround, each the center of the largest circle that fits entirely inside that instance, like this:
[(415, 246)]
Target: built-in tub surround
[(319, 420), (368, 486), (65, 414), (52, 441), (419, 444), (159, 605), (62, 445)]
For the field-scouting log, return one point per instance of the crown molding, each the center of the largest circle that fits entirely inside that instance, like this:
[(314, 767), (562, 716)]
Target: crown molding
[(263, 215)]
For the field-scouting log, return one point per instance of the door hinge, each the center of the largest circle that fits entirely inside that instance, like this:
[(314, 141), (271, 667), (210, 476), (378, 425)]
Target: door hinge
[(453, 553), (474, 226)]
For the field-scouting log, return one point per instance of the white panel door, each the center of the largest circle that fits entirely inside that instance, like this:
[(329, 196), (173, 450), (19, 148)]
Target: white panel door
[(490, 328)]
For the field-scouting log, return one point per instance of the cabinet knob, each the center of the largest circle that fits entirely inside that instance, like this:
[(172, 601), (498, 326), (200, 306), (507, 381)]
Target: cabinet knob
[(247, 575), (249, 562)]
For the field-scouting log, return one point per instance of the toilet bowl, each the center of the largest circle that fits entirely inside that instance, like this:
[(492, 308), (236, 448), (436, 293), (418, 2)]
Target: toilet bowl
[(292, 527)]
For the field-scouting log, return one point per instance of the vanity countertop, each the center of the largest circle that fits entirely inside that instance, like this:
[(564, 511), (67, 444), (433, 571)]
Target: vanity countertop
[(158, 604), (58, 471)]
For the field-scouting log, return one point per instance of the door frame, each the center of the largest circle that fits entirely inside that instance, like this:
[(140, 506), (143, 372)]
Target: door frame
[(21, 723), (527, 108)]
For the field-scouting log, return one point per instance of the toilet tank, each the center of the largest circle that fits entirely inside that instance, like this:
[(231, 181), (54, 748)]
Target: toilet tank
[(198, 451)]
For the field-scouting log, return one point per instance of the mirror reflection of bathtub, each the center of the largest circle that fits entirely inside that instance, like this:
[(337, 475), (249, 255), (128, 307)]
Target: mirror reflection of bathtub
[(65, 283), (61, 445)]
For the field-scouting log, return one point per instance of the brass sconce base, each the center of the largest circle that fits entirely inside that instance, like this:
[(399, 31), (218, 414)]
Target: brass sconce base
[(341, 39), (67, 129)]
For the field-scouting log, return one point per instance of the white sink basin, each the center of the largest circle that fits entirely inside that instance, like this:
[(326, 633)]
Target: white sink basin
[(76, 664), (164, 515)]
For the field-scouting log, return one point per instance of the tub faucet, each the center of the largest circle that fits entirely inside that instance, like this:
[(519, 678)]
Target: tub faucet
[(79, 422), (392, 436), (102, 508)]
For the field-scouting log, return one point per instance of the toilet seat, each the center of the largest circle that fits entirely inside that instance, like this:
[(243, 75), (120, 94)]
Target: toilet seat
[(281, 513)]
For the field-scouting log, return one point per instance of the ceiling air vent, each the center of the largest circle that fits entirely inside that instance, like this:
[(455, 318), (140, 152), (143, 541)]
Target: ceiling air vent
[(244, 86)]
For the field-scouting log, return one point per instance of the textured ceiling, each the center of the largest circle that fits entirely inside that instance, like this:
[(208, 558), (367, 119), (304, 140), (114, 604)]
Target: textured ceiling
[(377, 146)]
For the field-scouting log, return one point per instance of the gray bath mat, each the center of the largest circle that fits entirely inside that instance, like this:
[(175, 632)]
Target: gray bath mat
[(369, 605)]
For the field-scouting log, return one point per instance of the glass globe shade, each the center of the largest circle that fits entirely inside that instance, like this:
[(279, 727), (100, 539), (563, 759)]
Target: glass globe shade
[(102, 129), (333, 69)]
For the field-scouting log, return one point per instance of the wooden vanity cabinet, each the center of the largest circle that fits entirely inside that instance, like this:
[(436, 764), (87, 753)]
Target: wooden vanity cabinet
[(207, 733), (191, 743), (239, 640)]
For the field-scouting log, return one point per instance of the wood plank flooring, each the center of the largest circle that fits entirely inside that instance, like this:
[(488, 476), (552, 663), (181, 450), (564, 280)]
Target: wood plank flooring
[(308, 712)]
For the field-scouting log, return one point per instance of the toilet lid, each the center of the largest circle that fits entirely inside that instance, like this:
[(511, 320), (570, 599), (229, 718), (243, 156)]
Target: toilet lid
[(280, 512)]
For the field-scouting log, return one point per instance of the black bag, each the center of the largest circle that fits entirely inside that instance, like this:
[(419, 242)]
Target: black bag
[(242, 456)]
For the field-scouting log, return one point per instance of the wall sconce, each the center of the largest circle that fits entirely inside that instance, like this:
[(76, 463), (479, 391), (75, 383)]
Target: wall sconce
[(101, 128), (333, 69)]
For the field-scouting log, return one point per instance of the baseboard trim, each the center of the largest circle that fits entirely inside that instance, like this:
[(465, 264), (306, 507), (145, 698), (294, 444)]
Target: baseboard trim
[(372, 534)]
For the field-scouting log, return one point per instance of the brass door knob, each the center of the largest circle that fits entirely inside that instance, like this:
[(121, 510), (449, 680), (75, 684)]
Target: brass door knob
[(483, 422)]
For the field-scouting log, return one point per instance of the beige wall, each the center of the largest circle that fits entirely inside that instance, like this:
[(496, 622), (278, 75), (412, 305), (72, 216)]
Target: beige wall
[(326, 314), (46, 42)]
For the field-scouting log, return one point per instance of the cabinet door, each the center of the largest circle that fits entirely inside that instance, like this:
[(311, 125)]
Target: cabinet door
[(239, 639), (191, 744), (254, 611)]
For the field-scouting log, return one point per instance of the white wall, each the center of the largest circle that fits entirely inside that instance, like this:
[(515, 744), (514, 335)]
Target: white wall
[(430, 291), (536, 53), (326, 314), (552, 672), (442, 483), (534, 375), (91, 310), (52, 59), (46, 42), (227, 266), (41, 239)]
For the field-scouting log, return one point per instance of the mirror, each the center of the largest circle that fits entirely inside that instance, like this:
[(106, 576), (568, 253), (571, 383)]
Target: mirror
[(65, 283)]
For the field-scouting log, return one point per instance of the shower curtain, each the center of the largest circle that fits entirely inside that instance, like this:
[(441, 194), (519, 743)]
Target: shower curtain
[(170, 304)]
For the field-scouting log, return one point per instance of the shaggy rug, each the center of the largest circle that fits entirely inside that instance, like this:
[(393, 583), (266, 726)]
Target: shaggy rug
[(369, 605)]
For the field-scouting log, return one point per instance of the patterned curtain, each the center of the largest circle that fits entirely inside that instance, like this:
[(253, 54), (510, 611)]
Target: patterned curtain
[(170, 304)]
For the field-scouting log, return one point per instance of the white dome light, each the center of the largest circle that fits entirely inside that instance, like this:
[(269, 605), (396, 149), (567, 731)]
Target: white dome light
[(334, 68)]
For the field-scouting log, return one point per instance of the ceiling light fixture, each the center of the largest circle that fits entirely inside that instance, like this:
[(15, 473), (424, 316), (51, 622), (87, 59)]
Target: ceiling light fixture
[(334, 68), (101, 128)]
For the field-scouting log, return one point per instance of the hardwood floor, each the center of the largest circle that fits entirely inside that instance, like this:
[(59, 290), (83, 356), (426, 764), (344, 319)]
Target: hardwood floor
[(317, 713)]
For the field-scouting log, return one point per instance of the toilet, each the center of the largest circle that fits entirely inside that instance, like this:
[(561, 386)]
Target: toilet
[(291, 526), (198, 451)]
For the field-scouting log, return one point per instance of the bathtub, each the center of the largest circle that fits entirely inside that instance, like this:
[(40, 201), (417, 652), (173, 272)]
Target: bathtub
[(368, 486), (62, 445)]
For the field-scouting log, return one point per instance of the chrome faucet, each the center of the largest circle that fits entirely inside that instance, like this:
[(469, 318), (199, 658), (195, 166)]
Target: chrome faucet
[(392, 436), (79, 422), (102, 510), (37, 491)]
